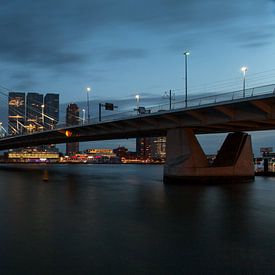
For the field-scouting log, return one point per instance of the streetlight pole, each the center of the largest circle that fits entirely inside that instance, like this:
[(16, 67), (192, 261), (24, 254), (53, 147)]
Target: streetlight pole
[(83, 116), (88, 102), (42, 106), (244, 70), (137, 99), (186, 54)]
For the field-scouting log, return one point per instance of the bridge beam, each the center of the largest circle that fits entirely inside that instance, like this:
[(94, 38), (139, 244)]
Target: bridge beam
[(187, 163)]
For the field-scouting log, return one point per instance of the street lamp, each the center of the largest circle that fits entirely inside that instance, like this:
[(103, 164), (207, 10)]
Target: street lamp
[(43, 106), (137, 99), (244, 70), (52, 125), (83, 116), (88, 89), (186, 54)]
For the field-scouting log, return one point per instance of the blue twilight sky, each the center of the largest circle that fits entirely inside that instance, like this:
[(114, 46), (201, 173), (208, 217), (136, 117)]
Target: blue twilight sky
[(123, 47), (120, 48)]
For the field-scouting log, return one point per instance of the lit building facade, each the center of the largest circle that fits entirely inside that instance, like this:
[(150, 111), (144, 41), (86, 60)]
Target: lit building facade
[(143, 147), (158, 148), (72, 118), (153, 148), (51, 110), (34, 119), (16, 112), (33, 155)]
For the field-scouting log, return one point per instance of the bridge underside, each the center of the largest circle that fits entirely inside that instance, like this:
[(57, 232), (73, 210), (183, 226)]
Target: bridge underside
[(186, 162)]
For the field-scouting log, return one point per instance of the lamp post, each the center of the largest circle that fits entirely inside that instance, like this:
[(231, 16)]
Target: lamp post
[(186, 55), (244, 70), (137, 99), (88, 89), (83, 116), (43, 106), (52, 124)]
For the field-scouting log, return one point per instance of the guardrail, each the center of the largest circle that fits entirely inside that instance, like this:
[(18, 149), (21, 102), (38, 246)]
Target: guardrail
[(196, 102)]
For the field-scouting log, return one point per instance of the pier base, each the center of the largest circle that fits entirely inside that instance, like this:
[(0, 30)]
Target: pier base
[(187, 163)]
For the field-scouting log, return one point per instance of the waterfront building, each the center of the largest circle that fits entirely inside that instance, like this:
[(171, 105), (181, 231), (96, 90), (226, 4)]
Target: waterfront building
[(34, 120), (51, 110), (158, 148), (72, 118), (16, 113), (33, 155), (143, 147), (121, 152), (102, 156)]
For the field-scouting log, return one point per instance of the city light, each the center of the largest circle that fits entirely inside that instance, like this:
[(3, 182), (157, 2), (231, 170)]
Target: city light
[(137, 97), (68, 133)]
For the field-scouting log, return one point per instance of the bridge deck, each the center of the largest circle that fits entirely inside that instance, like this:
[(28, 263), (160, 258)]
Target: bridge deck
[(254, 113)]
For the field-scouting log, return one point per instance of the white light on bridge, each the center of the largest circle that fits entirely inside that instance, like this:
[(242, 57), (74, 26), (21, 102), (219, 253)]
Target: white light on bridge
[(244, 70)]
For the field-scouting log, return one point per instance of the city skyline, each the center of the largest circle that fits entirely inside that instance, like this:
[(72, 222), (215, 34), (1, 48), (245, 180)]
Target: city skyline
[(121, 48)]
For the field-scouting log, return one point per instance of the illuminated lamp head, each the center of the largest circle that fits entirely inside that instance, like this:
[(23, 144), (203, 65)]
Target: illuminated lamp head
[(68, 133)]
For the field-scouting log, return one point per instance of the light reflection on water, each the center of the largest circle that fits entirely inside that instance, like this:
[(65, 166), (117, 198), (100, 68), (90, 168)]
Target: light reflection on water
[(121, 219)]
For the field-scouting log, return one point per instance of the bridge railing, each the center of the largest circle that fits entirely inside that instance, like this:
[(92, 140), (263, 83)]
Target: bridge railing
[(192, 102)]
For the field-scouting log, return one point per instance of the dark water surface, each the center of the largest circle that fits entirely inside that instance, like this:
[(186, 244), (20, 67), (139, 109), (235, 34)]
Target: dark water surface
[(121, 219)]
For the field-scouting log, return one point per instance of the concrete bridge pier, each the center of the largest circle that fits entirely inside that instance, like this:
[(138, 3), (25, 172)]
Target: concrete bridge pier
[(187, 163)]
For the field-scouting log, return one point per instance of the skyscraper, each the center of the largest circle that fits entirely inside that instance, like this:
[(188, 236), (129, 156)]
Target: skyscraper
[(34, 111), (151, 148), (72, 118), (16, 112), (51, 110), (143, 147), (158, 148)]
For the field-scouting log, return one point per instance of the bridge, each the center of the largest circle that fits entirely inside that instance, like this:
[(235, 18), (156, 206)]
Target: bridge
[(230, 112)]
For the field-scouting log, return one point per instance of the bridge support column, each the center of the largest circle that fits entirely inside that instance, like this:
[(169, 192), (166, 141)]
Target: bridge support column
[(187, 163)]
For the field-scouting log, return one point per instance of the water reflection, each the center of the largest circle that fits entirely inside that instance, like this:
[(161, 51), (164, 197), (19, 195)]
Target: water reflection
[(122, 219)]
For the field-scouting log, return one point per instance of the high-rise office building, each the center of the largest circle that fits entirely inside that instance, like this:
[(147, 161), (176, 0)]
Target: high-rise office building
[(16, 112), (34, 107), (51, 110), (151, 147), (158, 148), (143, 147), (72, 118)]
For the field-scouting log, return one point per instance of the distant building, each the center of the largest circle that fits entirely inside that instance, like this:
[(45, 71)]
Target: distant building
[(143, 147), (33, 155), (158, 148), (51, 110), (72, 118), (121, 152), (16, 112), (151, 148), (100, 152), (34, 118)]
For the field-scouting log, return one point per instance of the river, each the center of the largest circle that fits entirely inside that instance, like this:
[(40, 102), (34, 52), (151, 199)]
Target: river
[(121, 219)]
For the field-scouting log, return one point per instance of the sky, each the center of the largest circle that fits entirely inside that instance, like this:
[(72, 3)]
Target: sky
[(121, 48)]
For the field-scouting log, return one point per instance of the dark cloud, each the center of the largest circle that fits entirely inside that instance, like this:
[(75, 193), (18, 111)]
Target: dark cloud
[(23, 81), (67, 36), (255, 37), (49, 33)]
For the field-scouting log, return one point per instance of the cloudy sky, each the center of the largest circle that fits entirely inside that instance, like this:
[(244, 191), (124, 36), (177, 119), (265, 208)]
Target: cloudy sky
[(121, 47)]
